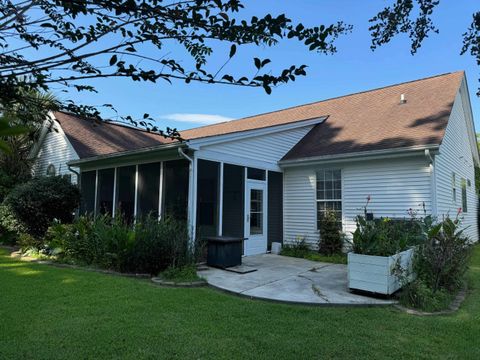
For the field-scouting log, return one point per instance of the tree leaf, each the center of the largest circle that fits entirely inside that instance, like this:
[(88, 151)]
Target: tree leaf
[(233, 50), (258, 63), (113, 60)]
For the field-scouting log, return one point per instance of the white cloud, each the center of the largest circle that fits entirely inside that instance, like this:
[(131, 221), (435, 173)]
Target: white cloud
[(196, 118)]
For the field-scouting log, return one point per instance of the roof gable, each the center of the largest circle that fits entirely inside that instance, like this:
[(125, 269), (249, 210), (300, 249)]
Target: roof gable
[(377, 120)]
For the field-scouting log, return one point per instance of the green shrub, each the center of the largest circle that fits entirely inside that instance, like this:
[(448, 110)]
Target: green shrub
[(298, 249), (187, 273), (149, 247), (331, 239), (440, 264), (10, 227), (442, 261), (419, 295), (159, 245), (41, 200), (386, 237)]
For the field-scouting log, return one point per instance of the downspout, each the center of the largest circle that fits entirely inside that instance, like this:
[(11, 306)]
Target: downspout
[(433, 183), (191, 210), (76, 173)]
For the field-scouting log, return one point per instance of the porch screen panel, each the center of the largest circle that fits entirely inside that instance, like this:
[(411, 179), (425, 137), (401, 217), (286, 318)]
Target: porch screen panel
[(126, 192), (105, 191), (207, 197), (87, 190), (176, 188), (233, 200), (275, 207), (148, 189)]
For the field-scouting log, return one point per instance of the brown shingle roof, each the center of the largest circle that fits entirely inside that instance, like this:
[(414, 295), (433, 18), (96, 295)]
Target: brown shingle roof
[(370, 120), (90, 138), (376, 120)]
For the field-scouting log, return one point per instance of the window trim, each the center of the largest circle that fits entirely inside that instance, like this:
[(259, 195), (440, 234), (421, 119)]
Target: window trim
[(49, 168), (463, 186), (342, 220)]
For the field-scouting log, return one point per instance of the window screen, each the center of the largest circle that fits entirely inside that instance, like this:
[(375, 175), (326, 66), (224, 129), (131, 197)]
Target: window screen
[(126, 192), (148, 189), (105, 191), (176, 188), (207, 197), (255, 174), (233, 200), (87, 189)]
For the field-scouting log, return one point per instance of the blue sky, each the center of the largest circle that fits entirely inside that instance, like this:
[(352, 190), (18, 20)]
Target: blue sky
[(354, 68)]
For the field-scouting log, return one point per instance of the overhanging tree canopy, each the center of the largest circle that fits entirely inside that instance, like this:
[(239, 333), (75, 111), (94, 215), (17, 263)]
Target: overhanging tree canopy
[(77, 40)]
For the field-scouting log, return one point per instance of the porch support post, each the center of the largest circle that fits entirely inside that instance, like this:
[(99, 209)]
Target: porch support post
[(135, 205), (192, 198), (220, 201), (114, 205), (96, 194), (160, 193)]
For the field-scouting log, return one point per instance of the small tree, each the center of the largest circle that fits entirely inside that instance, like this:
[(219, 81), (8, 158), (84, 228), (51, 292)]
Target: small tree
[(330, 235), (41, 200)]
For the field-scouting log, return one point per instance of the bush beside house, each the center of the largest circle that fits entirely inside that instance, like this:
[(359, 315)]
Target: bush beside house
[(39, 201), (150, 246)]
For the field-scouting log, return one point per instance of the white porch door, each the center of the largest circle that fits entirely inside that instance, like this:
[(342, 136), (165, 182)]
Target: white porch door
[(255, 218)]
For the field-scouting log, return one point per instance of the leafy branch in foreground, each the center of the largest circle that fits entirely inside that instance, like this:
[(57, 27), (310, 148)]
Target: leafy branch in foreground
[(148, 40), (414, 18)]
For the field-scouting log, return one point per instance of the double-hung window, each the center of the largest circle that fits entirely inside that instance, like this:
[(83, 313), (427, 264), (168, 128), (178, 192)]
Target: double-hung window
[(329, 193)]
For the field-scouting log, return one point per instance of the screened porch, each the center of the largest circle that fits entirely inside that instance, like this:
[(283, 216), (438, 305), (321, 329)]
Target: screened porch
[(222, 199)]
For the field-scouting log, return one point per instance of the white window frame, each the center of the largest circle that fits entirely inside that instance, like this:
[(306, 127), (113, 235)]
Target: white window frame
[(329, 200)]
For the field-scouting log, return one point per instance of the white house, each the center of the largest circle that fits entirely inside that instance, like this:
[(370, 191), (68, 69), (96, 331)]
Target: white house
[(269, 177)]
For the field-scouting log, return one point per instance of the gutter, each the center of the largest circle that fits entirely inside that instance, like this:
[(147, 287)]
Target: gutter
[(431, 149), (121, 154)]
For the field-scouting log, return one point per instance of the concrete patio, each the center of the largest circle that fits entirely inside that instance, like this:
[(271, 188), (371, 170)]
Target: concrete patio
[(288, 279)]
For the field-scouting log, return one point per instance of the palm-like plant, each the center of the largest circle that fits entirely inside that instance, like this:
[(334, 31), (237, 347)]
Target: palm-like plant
[(19, 127)]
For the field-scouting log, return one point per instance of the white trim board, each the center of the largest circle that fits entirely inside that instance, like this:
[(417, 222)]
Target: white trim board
[(240, 135)]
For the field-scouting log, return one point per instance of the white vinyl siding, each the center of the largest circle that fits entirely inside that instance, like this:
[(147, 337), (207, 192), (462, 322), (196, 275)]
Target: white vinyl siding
[(267, 148), (56, 151), (394, 186), (456, 157)]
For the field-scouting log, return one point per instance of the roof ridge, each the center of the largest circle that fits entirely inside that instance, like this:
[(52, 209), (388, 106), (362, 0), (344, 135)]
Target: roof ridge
[(329, 99)]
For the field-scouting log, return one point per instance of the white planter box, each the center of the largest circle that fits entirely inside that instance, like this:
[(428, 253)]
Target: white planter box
[(376, 273)]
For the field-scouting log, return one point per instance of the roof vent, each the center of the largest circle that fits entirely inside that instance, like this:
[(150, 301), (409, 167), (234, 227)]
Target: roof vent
[(403, 100)]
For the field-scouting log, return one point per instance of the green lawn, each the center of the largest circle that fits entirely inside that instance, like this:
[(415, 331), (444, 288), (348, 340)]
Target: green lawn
[(50, 313)]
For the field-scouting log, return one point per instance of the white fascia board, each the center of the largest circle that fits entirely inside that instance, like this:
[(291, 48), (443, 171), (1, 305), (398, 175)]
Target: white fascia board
[(216, 139), (465, 96), (363, 155), (154, 150), (41, 138), (236, 160)]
